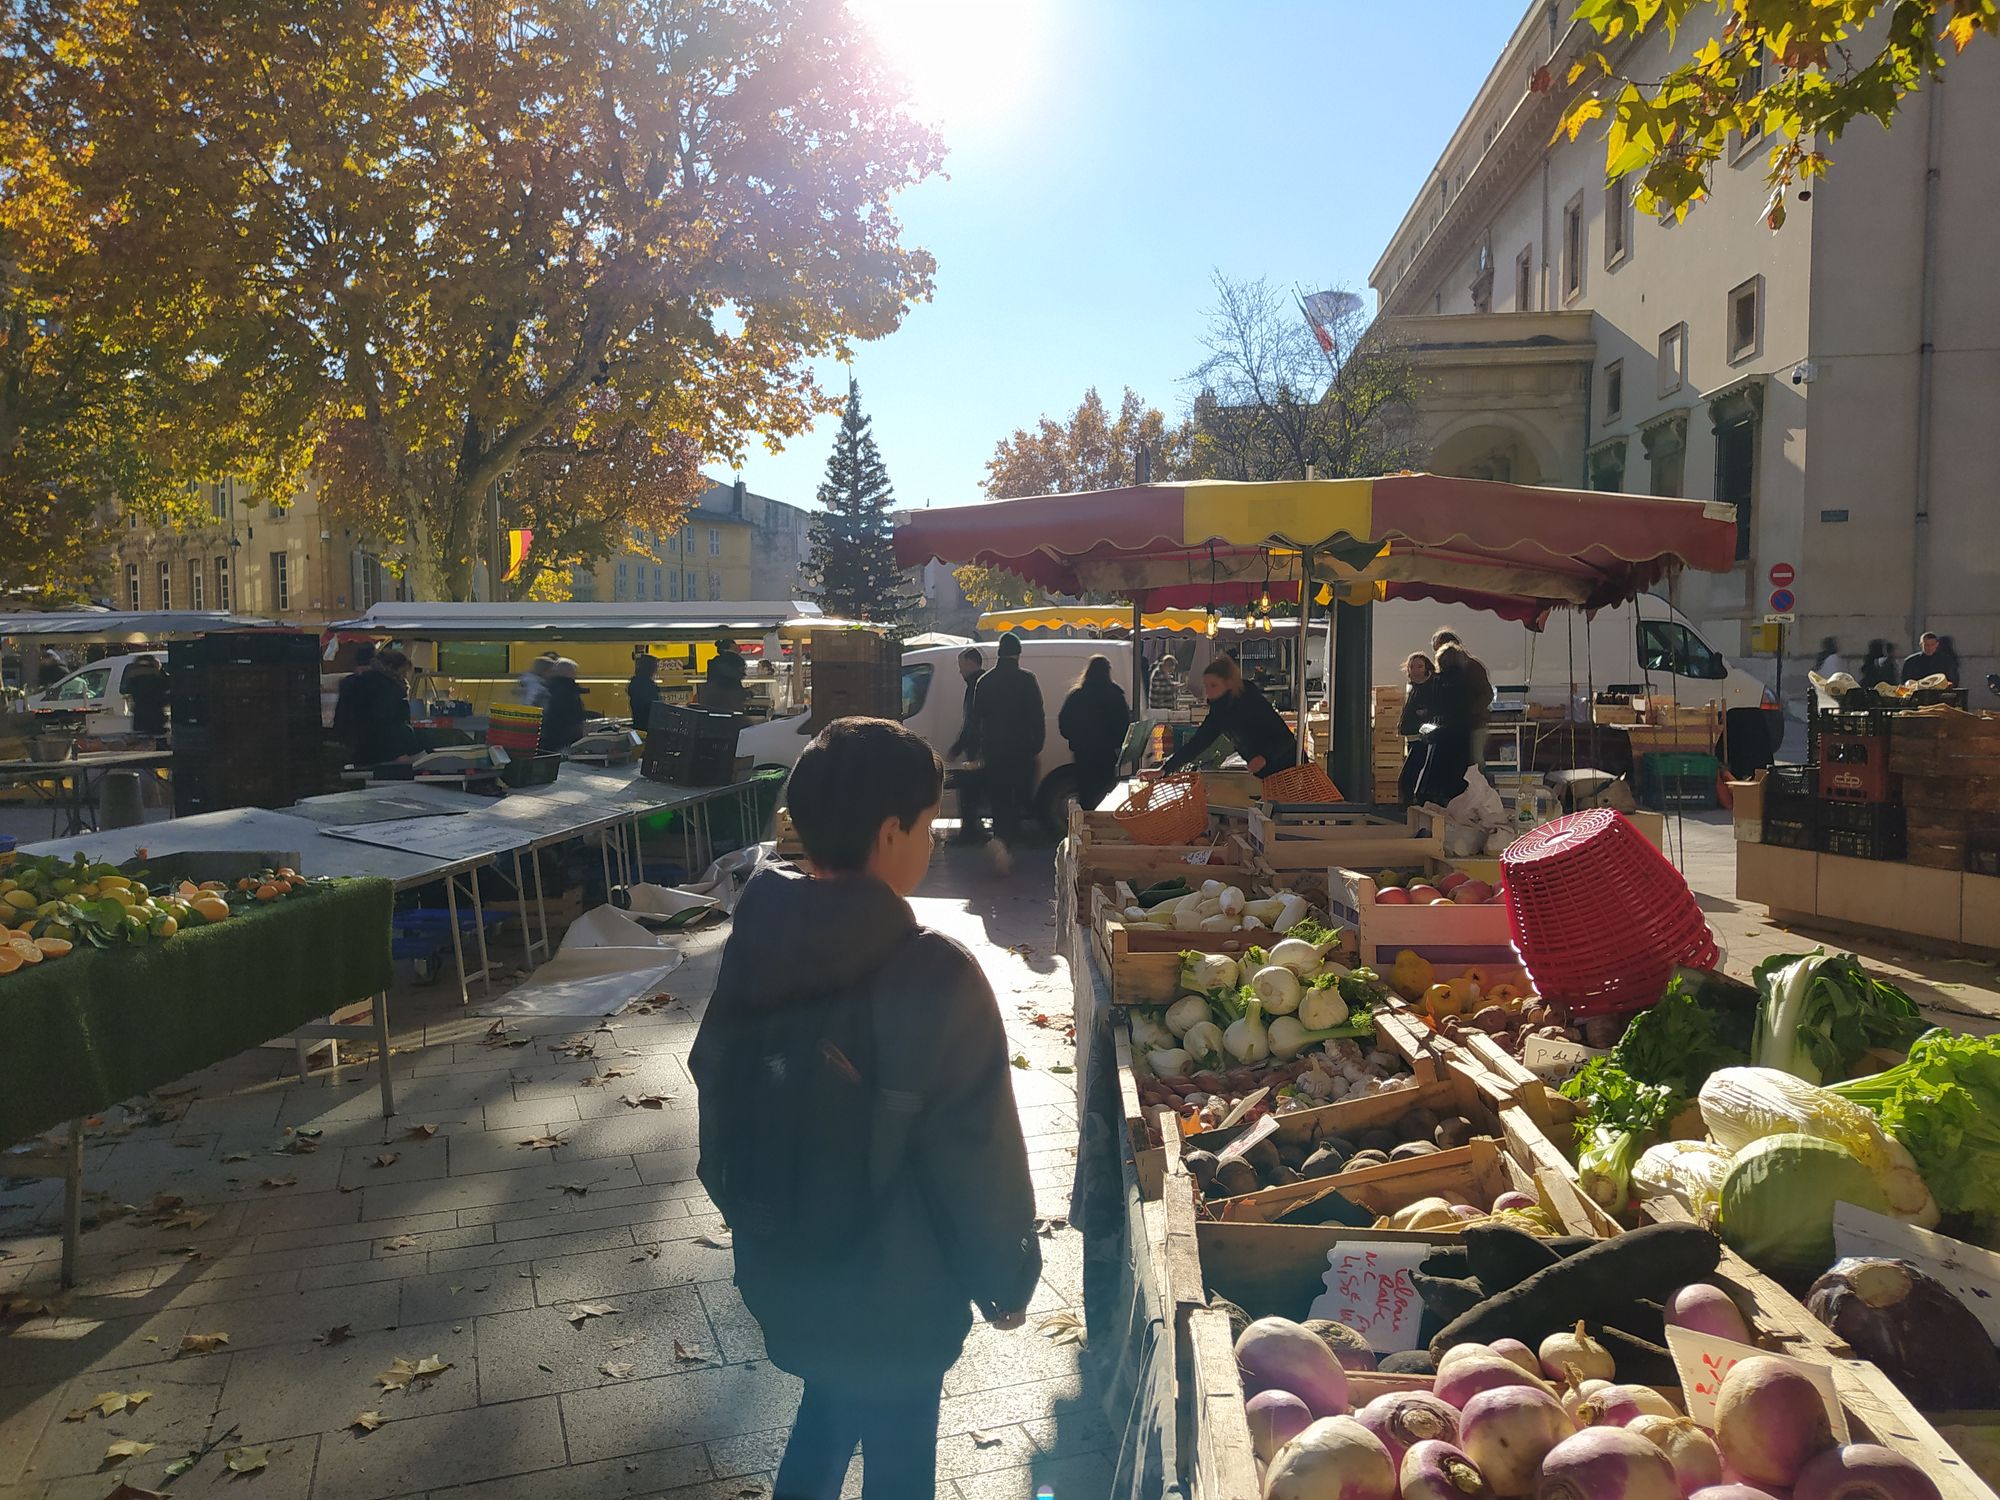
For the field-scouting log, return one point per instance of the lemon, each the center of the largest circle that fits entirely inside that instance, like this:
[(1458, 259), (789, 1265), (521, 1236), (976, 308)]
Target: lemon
[(165, 926), (20, 900), (114, 883)]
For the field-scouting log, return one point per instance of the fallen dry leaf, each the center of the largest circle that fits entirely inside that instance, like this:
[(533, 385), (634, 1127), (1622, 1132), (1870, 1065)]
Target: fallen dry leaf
[(985, 1439), (401, 1372), (339, 1333), (572, 1189), (645, 1101), (368, 1421), (691, 1354), (1062, 1328), (202, 1343), (610, 1073), (420, 1132), (400, 1242), (616, 1370), (29, 1307), (387, 1159), (247, 1460), (279, 1182), (585, 1310), (1047, 1227), (651, 1252), (110, 1404), (118, 1452), (301, 1147), (718, 1239), (133, 1492), (543, 1142)]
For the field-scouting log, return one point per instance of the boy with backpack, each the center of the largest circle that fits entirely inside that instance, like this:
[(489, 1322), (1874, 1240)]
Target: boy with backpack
[(858, 1129)]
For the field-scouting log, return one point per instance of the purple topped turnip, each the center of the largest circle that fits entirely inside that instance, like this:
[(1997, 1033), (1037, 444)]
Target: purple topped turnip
[(1438, 1471), (1507, 1431), (1402, 1419), (1697, 1461), (1863, 1471), (1769, 1421), (1336, 1458), (1606, 1463), (1276, 1354)]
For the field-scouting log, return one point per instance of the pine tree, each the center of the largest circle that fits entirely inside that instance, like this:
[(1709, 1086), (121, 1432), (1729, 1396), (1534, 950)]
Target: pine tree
[(851, 571)]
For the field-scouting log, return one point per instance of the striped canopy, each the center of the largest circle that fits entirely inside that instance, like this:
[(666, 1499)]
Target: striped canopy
[(1518, 550)]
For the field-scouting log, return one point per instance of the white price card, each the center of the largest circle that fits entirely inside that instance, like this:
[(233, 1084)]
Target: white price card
[(1703, 1360), (1369, 1288), (1553, 1060)]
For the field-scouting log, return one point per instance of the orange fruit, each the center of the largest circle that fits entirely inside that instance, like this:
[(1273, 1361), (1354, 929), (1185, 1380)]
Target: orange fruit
[(28, 952), (9, 960), (288, 873), (268, 893), (53, 947), (211, 908)]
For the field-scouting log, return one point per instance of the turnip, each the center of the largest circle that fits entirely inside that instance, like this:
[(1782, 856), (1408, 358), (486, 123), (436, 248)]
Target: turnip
[(1510, 1200), (1465, 1378), (1580, 1391), (1574, 1354), (1697, 1461), (1434, 1470), (1615, 1405), (1769, 1420), (1276, 1354), (1863, 1471), (1519, 1353), (1334, 1459), (1705, 1308), (1606, 1463), (1276, 1417), (1731, 1490), (1402, 1419), (1508, 1431)]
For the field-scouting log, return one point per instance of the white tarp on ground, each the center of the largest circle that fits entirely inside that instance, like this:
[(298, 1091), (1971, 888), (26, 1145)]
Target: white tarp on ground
[(606, 961)]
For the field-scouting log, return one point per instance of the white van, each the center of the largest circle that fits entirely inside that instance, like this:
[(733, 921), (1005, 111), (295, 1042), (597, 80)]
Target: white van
[(934, 707), (97, 691)]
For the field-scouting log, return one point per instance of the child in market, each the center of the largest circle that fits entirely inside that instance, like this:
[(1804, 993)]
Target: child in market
[(858, 1128)]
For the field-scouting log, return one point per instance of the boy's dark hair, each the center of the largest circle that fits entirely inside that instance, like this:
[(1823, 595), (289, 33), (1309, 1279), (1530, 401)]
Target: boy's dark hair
[(855, 773), (971, 654), (364, 654)]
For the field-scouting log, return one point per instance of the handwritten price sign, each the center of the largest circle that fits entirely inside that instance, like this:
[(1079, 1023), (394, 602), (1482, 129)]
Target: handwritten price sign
[(1703, 1360), (1369, 1288)]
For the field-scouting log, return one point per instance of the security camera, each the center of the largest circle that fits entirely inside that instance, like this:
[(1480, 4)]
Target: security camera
[(1804, 373)]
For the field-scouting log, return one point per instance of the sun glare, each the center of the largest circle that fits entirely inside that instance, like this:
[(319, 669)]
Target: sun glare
[(966, 61)]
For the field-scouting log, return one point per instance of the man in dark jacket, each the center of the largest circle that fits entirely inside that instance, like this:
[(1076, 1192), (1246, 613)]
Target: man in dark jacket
[(965, 779), (836, 1017), (354, 689), (1932, 657), (1009, 727)]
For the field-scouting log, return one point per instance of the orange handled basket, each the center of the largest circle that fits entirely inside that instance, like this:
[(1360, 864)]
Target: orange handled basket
[(1166, 810), (1300, 783)]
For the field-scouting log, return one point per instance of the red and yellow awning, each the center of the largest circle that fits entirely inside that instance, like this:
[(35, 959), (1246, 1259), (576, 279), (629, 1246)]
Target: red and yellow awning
[(1517, 550)]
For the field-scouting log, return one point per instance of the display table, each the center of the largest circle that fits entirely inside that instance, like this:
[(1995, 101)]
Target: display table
[(1956, 911), (69, 785), (80, 1033)]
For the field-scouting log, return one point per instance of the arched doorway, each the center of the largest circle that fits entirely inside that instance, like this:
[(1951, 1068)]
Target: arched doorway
[(1490, 450)]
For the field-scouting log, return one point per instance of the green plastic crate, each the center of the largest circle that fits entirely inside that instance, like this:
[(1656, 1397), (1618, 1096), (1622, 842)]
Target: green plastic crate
[(1678, 781)]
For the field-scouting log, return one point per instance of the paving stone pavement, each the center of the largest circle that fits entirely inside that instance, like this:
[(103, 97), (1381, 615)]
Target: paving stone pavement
[(524, 1224)]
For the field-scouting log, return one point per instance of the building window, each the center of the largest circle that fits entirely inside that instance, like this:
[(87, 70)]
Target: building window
[(1673, 359), (281, 580), (1751, 86), (1737, 414), (197, 582), (1617, 223), (622, 588), (1524, 280), (674, 583), (715, 585), (1606, 466), (714, 541), (222, 583), (132, 587), (687, 541), (659, 582), (693, 586), (1572, 249), (1614, 390), (1746, 321), (166, 580), (583, 586)]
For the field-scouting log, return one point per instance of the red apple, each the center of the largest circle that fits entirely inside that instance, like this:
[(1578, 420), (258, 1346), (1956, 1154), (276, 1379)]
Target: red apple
[(1423, 895), (1444, 901), (1472, 892), (1452, 881), (1392, 895)]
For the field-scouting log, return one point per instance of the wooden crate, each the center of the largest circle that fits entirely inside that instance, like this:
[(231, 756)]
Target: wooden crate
[(1343, 839), (1148, 1159), (789, 846), (1452, 936), (1474, 1172), (1947, 743)]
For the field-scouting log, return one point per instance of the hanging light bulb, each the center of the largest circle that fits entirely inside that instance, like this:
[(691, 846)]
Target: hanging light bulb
[(1264, 603), (1214, 624)]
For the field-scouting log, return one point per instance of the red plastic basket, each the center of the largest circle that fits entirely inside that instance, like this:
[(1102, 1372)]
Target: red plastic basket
[(1600, 917)]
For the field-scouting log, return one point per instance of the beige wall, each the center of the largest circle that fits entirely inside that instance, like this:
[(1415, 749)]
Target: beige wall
[(1840, 287)]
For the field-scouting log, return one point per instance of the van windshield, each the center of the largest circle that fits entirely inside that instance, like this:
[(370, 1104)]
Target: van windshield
[(1669, 646), (84, 686)]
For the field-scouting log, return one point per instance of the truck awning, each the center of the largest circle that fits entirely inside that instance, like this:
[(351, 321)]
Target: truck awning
[(589, 622)]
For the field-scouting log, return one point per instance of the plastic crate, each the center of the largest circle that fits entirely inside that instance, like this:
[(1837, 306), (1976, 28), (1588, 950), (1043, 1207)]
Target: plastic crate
[(1672, 780), (1855, 768), (1862, 830), (1790, 833), (1791, 781), (531, 770)]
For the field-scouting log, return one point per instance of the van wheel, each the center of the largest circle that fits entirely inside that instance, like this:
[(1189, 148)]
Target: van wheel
[(1052, 801)]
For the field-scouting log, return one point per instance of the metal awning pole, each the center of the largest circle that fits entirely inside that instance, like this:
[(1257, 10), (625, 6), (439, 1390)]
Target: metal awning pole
[(1138, 660), (1299, 663)]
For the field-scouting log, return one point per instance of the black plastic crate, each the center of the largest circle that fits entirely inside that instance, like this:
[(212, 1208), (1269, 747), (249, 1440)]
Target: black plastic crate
[(1790, 833), (1862, 830), (1791, 781)]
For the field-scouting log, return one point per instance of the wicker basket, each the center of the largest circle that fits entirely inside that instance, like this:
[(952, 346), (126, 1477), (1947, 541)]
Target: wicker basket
[(1301, 783), (1166, 810)]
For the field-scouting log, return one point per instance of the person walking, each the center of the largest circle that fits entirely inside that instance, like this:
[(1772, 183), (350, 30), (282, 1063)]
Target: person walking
[(150, 687), (1933, 655), (562, 720), (1165, 685), (379, 719), (642, 692), (1008, 726), (965, 777), (1095, 718), (1236, 708), (532, 687), (835, 1016), (1881, 664), (1830, 659), (1460, 699), (1419, 702), (50, 670)]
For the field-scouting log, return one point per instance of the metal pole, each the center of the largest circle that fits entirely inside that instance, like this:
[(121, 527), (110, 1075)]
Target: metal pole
[(1138, 661), (1299, 664), (1351, 669)]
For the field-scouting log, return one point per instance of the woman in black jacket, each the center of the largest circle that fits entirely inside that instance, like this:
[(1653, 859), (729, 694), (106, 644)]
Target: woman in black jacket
[(1418, 710), (1237, 709), (562, 718), (1456, 711), (1094, 719), (643, 691)]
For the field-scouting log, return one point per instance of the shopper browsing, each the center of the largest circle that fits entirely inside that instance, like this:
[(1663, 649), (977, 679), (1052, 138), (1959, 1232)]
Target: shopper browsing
[(1094, 720), (836, 1017), (1009, 726), (965, 750), (1419, 709), (1236, 708)]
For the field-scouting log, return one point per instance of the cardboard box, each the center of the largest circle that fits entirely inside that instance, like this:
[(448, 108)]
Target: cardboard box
[(1746, 799), (1979, 908), (1786, 880), (1652, 824)]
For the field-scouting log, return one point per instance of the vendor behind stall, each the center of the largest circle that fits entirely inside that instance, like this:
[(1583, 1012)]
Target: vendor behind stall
[(377, 725), (1237, 709), (149, 686)]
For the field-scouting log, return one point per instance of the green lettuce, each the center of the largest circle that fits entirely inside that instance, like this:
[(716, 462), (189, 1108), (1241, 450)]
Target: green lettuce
[(1943, 1104)]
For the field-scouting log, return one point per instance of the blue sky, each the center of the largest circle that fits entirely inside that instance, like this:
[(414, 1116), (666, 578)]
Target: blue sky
[(1104, 156)]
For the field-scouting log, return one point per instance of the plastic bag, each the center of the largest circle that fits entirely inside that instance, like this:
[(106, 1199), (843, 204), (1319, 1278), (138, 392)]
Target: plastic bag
[(1472, 815)]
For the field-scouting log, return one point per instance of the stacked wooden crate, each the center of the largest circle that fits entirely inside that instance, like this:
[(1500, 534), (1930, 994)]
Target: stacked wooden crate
[(1949, 762), (1386, 758)]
